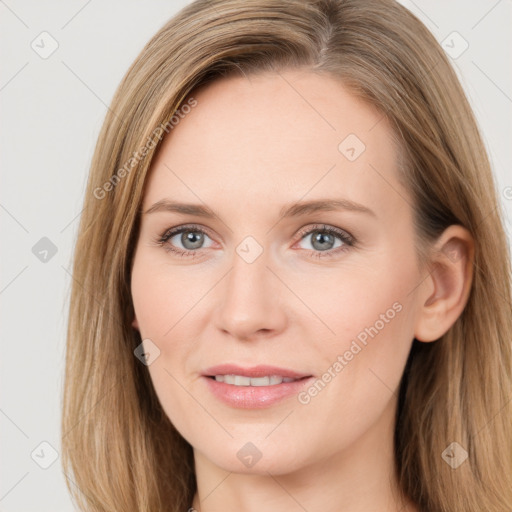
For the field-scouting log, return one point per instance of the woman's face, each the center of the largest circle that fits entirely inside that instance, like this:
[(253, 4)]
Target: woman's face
[(281, 284)]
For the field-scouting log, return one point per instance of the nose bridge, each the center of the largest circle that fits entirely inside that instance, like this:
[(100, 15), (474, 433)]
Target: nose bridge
[(249, 275), (250, 294)]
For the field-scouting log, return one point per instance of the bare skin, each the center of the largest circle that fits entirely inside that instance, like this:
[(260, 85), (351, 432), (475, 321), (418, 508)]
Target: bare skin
[(251, 146)]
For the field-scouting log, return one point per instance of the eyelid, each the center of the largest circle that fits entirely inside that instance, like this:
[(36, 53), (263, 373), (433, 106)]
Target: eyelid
[(168, 233)]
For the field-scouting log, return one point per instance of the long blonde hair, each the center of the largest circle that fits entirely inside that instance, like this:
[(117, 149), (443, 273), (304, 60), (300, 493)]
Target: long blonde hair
[(119, 449)]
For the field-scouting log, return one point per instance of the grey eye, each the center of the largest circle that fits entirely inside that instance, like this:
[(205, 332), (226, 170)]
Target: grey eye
[(322, 240), (189, 239)]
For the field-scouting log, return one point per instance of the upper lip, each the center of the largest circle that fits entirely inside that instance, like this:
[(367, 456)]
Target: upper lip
[(253, 371)]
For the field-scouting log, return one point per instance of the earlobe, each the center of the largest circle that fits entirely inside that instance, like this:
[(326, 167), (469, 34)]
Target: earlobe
[(135, 323), (448, 286)]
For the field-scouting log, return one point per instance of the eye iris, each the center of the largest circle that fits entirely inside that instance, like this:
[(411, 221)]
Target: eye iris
[(320, 236), (194, 237)]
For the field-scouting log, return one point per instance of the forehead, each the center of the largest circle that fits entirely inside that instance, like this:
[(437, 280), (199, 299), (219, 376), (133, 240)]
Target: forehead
[(277, 137)]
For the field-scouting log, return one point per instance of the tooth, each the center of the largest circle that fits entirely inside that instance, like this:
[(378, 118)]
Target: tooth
[(240, 380), (260, 381), (229, 379)]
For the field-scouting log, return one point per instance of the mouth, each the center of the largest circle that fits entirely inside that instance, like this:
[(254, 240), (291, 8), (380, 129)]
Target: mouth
[(253, 388), (242, 380)]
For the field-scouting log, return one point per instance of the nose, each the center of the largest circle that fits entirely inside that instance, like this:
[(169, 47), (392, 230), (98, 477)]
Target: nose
[(251, 301)]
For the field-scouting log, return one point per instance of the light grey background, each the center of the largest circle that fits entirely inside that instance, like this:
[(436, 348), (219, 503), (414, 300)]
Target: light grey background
[(51, 113)]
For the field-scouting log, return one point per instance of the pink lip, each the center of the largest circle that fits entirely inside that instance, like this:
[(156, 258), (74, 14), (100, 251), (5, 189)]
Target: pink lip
[(253, 397)]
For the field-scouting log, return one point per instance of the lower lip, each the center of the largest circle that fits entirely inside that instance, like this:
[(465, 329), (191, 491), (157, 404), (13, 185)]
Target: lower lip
[(254, 397)]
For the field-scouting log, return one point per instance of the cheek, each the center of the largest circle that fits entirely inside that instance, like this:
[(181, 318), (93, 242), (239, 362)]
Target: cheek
[(364, 361), (164, 301), (147, 298), (159, 306), (185, 412), (161, 296), (362, 302)]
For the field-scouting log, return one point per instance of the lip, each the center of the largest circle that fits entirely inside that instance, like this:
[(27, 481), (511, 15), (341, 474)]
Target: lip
[(254, 397)]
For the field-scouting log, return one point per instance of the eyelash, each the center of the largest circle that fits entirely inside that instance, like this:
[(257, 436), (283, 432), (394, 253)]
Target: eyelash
[(347, 239)]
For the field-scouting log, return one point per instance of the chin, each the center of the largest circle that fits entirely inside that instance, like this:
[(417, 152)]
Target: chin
[(258, 457)]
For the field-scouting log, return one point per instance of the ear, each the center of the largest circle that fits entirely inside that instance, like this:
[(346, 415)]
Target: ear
[(445, 291), (135, 323)]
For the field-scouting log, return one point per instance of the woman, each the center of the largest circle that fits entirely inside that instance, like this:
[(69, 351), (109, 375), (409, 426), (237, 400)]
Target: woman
[(292, 281)]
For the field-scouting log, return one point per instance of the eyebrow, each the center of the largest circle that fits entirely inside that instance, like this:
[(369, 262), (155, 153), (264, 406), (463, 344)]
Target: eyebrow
[(287, 211)]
